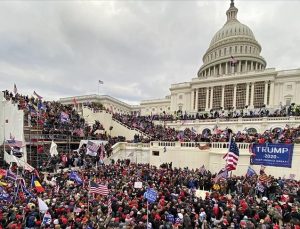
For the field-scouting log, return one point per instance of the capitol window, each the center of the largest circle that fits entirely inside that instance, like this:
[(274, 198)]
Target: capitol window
[(180, 96), (241, 49), (289, 86), (201, 99), (259, 92), (241, 95)]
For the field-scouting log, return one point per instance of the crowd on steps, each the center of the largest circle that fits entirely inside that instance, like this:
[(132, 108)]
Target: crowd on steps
[(163, 133)]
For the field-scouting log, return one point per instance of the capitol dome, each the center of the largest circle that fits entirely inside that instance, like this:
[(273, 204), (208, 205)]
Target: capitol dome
[(233, 49), (231, 29)]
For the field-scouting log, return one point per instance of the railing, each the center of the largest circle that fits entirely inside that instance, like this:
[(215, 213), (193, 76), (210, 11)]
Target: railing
[(131, 128), (210, 146), (230, 120), (56, 137)]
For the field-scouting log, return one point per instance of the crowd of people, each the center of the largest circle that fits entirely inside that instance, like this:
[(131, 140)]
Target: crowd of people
[(163, 133), (281, 111), (234, 202), (54, 119)]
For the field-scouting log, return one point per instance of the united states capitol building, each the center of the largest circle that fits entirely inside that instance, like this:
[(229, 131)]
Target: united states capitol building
[(233, 76)]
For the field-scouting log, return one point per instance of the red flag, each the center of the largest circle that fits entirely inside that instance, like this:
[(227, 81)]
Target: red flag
[(40, 149)]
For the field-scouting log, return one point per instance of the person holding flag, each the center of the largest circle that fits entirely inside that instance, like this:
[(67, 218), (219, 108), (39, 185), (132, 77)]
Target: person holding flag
[(232, 156)]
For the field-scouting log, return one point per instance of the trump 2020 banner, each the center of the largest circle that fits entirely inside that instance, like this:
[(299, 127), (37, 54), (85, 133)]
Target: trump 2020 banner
[(279, 155)]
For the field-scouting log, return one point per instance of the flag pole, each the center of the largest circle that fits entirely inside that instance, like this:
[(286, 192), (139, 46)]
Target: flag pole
[(230, 137), (89, 196), (4, 122), (147, 215), (16, 183)]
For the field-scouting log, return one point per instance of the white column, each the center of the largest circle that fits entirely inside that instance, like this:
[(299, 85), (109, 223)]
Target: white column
[(252, 95), (223, 93), (193, 99), (215, 70), (211, 97), (207, 95), (256, 66), (251, 65), (234, 96), (220, 69), (240, 66), (226, 68), (271, 101), (196, 105), (209, 72), (266, 93), (247, 95)]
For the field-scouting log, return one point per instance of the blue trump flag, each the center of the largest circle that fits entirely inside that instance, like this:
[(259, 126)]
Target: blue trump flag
[(4, 195), (250, 172), (150, 195), (75, 177), (278, 155)]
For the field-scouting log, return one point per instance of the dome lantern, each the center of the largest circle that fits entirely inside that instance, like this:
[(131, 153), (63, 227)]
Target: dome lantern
[(232, 12)]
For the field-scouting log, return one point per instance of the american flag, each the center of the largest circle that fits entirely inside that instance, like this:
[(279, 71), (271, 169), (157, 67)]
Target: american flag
[(223, 173), (263, 177), (92, 148), (98, 188), (232, 156)]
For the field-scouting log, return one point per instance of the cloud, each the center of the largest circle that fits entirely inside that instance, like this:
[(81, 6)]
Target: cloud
[(138, 48)]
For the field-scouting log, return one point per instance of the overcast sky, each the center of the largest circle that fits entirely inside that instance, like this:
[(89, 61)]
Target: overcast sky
[(137, 48)]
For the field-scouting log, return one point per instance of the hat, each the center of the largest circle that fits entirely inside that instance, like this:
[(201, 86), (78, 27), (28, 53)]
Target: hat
[(55, 221), (180, 216), (225, 221)]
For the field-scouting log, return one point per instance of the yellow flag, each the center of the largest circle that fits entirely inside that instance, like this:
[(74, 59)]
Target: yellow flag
[(3, 183)]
